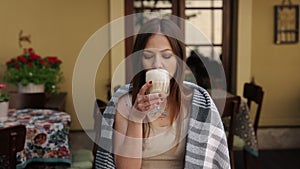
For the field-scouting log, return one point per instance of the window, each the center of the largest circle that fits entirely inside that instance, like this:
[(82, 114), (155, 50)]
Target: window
[(215, 18)]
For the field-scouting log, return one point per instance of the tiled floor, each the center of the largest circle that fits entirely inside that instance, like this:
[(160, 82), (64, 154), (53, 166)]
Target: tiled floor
[(280, 148), (81, 140), (268, 138), (273, 159)]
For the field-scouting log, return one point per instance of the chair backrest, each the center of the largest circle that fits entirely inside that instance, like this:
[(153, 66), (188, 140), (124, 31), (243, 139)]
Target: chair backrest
[(27, 100), (254, 93), (229, 109), (12, 141), (100, 106)]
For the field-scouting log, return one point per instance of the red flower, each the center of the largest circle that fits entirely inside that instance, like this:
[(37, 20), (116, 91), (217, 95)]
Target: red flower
[(9, 62), (2, 85), (52, 59), (30, 50), (34, 56), (43, 62), (22, 59), (46, 70)]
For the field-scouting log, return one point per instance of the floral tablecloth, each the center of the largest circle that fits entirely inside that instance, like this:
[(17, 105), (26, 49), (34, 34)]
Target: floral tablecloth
[(244, 129), (46, 136)]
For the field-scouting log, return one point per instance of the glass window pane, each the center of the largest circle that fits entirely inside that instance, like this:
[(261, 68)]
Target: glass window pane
[(202, 21), (152, 4), (204, 51), (218, 27), (212, 69), (141, 18), (211, 52), (203, 3), (188, 50), (217, 53), (198, 3), (218, 3)]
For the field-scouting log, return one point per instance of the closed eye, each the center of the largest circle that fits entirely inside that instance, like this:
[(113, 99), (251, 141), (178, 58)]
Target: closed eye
[(148, 56), (167, 55)]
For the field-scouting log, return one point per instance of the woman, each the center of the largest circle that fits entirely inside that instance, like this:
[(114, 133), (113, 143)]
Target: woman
[(186, 133)]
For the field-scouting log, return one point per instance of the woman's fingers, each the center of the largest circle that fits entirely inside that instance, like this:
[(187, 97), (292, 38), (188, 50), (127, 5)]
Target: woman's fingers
[(145, 87), (155, 102), (144, 101), (149, 97), (145, 106)]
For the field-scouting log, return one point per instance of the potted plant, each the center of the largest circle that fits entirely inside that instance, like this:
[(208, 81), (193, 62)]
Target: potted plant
[(31, 69), (4, 98)]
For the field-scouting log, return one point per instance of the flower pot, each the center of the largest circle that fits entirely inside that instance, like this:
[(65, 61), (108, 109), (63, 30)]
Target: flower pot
[(3, 110), (31, 88)]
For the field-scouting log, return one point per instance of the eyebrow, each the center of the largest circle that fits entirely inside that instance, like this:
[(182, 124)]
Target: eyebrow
[(164, 50)]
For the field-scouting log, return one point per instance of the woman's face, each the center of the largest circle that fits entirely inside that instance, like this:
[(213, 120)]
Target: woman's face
[(158, 53)]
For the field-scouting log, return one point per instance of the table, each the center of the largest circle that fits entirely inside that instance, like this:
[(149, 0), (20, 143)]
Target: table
[(53, 101), (56, 101), (244, 125), (46, 135)]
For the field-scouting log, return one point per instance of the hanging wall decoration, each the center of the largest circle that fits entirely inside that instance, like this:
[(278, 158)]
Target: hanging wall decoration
[(286, 23)]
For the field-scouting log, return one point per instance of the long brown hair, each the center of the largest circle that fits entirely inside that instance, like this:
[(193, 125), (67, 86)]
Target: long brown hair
[(175, 38)]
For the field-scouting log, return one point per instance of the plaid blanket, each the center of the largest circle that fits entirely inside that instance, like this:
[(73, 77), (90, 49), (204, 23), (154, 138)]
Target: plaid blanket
[(206, 145)]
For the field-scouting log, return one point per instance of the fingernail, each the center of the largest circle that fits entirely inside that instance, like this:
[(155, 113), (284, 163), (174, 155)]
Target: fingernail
[(159, 95), (157, 103), (150, 82), (161, 99)]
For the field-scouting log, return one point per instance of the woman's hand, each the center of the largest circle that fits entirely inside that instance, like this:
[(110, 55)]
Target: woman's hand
[(144, 103)]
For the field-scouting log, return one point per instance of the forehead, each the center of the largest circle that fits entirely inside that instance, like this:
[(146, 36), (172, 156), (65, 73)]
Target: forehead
[(158, 41)]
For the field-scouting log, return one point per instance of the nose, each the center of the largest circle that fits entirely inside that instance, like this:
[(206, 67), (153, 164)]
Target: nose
[(157, 62)]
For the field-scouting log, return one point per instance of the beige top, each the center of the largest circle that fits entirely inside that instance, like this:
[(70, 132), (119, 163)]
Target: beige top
[(161, 150)]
